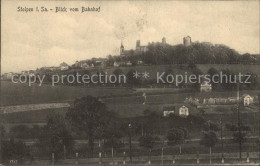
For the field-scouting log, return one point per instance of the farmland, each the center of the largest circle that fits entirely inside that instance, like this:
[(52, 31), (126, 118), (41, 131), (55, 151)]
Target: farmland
[(128, 104)]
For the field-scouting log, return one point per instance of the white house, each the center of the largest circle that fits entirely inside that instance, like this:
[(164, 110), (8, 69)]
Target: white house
[(116, 64), (64, 66), (9, 75), (85, 65), (205, 86), (168, 110), (247, 99), (128, 63), (183, 111), (139, 62)]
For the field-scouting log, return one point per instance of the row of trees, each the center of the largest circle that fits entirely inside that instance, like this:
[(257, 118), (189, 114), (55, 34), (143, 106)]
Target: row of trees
[(197, 53)]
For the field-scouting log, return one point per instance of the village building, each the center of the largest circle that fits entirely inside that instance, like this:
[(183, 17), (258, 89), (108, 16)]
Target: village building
[(174, 109), (139, 62), (64, 66), (7, 76), (49, 68), (128, 63), (247, 100), (99, 63), (118, 64), (184, 111), (82, 64), (167, 110), (139, 49), (205, 86)]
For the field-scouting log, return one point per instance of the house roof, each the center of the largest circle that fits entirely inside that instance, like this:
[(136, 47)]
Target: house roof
[(246, 95), (64, 64)]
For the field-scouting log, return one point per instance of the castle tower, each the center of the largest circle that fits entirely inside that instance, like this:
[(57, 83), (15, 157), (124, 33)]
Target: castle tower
[(187, 41), (122, 49), (138, 44), (163, 40)]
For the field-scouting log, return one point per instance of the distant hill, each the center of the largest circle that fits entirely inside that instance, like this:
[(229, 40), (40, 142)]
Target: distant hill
[(196, 53)]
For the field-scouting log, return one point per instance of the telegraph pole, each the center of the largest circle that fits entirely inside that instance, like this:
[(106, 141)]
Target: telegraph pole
[(130, 143), (221, 135), (239, 125), (0, 137)]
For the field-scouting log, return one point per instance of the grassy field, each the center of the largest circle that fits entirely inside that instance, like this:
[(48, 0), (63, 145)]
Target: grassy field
[(15, 94), (232, 67)]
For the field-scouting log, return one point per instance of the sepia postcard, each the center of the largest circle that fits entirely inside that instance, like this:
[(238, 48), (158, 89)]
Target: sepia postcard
[(125, 83)]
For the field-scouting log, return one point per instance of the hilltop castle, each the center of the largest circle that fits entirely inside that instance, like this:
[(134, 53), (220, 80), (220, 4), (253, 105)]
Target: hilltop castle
[(139, 48), (142, 49)]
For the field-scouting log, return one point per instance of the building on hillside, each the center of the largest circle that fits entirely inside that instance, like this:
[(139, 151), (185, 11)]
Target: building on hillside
[(205, 86), (7, 76), (139, 49), (64, 66), (187, 41), (119, 64), (116, 64), (53, 68), (247, 99), (82, 64)]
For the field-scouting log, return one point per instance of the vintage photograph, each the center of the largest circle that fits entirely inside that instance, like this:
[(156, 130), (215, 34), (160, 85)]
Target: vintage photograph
[(114, 83)]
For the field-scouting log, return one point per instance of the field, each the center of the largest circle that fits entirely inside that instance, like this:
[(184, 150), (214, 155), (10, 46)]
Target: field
[(128, 103), (18, 94)]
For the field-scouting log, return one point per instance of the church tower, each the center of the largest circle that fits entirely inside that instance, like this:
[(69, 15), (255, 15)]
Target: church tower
[(164, 41), (122, 48)]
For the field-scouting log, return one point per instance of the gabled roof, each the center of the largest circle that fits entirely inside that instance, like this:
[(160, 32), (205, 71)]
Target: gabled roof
[(63, 64), (245, 95)]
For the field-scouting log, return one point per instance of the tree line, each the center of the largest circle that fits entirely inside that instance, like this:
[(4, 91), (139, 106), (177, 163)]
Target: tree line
[(197, 53)]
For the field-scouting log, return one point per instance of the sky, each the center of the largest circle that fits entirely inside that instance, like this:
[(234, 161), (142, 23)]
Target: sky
[(36, 39)]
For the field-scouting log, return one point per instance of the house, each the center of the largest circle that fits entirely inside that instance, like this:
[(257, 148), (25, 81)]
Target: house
[(128, 63), (9, 75), (184, 111), (167, 110), (193, 101), (99, 63), (139, 62), (205, 86), (211, 101), (64, 66), (247, 99), (85, 65), (82, 64), (175, 109), (31, 73), (116, 64), (24, 72)]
